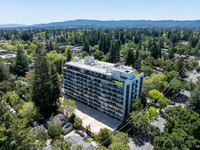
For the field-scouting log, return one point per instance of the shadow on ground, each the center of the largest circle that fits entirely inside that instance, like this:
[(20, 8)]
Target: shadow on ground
[(141, 140)]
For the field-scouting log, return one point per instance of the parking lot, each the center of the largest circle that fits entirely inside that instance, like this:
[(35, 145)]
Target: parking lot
[(94, 118)]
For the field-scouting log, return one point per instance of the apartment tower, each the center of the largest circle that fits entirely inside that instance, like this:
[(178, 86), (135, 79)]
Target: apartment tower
[(106, 87)]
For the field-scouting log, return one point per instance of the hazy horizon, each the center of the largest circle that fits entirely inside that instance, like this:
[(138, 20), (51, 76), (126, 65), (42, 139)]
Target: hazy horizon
[(47, 11), (96, 20)]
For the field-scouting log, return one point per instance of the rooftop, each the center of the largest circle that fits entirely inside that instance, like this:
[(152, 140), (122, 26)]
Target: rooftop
[(98, 66), (77, 140), (8, 56)]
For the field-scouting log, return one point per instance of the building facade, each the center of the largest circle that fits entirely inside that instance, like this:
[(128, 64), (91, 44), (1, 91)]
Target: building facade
[(108, 88)]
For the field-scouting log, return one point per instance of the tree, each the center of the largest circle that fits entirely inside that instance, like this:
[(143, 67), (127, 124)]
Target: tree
[(118, 146), (179, 64), (49, 46), (153, 114), (14, 131), (57, 60), (98, 55), (163, 102), (86, 46), (121, 137), (21, 65), (68, 106), (84, 54), (171, 52), (141, 126), (68, 54), (54, 127), (147, 70), (114, 53), (158, 80), (31, 49), (103, 135), (138, 63), (154, 50), (55, 90), (77, 122), (4, 72), (194, 100), (129, 58), (155, 94), (14, 100), (61, 143), (181, 130), (30, 112), (45, 89)]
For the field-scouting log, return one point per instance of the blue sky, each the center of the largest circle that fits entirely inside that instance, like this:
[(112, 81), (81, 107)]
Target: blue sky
[(45, 11)]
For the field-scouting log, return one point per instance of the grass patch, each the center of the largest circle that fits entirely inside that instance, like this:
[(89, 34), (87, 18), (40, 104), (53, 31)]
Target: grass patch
[(87, 141), (118, 82)]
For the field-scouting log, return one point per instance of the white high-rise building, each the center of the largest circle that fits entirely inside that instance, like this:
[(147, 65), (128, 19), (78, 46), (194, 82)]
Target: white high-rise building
[(106, 87)]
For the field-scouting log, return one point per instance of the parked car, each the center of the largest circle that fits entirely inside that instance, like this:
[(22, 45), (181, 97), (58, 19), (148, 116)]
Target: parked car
[(82, 133)]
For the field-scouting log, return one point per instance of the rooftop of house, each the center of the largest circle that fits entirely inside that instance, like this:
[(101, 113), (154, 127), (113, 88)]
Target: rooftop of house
[(98, 66), (178, 55), (8, 56), (76, 140), (59, 117), (3, 50)]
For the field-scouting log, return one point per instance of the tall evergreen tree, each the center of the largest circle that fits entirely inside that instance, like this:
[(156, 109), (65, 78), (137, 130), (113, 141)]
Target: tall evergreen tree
[(86, 46), (68, 54), (107, 43), (121, 38), (112, 53), (45, 86), (194, 100), (117, 49), (55, 88), (49, 46), (171, 52), (101, 42), (154, 50), (21, 65), (129, 58), (138, 63), (4, 72)]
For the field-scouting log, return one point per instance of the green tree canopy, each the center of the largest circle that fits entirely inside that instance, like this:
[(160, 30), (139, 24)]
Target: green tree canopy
[(103, 135), (194, 100), (54, 127), (21, 65), (68, 54), (30, 112), (4, 71), (99, 55), (181, 130), (45, 90)]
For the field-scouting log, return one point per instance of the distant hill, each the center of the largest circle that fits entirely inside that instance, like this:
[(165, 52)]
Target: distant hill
[(12, 25), (112, 23)]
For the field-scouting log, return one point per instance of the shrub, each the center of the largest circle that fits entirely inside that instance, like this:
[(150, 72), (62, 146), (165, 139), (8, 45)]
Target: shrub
[(54, 127), (77, 122)]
